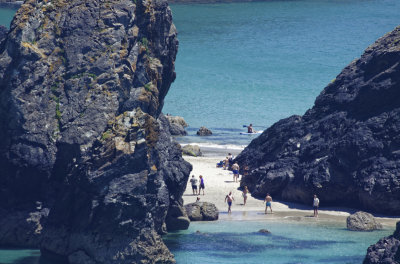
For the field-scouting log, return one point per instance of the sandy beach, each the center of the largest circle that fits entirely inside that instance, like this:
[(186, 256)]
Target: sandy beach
[(219, 182)]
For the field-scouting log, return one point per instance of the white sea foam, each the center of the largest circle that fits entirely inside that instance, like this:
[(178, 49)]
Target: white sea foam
[(216, 146)]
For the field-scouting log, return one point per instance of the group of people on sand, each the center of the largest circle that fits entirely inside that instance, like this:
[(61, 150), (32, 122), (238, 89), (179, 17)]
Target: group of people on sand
[(228, 164), (193, 182), (267, 200)]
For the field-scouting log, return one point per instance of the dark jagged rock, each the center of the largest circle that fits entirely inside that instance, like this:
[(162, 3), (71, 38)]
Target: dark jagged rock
[(82, 85), (346, 148), (3, 33), (203, 131), (202, 211), (177, 125), (386, 250), (362, 221), (191, 150), (177, 218)]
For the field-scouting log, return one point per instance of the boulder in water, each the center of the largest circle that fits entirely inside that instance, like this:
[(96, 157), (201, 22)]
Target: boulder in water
[(264, 231), (203, 131)]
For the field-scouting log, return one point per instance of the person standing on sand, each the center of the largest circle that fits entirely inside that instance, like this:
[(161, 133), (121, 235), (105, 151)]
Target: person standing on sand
[(226, 163), (235, 170), (315, 205), (193, 181), (229, 198), (268, 200), (245, 193), (201, 184)]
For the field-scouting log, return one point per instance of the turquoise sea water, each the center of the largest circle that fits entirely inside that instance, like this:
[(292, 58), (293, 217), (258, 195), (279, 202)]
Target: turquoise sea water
[(6, 15), (237, 242), (259, 62)]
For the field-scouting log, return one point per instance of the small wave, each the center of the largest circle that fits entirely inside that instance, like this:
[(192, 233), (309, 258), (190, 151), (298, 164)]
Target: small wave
[(216, 146)]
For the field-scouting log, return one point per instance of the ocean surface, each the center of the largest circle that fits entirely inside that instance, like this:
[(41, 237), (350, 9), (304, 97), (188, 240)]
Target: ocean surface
[(238, 242), (259, 62)]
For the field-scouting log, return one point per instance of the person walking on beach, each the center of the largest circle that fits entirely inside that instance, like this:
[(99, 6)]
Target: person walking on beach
[(201, 184), (229, 198), (245, 193), (235, 170), (193, 181), (315, 205), (268, 200)]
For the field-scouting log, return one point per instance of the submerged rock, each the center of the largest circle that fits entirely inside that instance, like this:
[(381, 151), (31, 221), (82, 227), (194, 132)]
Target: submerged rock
[(386, 250), (203, 131), (82, 89), (362, 221), (264, 231), (202, 211), (192, 150), (346, 149)]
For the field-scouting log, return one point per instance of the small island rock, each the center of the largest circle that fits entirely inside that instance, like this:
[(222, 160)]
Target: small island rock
[(362, 221), (192, 150), (203, 131), (202, 211), (177, 125)]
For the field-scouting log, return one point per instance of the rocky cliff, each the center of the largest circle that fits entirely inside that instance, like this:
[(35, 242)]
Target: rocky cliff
[(346, 149), (386, 250), (88, 168)]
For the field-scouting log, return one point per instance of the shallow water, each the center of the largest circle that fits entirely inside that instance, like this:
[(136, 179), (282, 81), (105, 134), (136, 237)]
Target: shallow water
[(239, 242), (258, 62)]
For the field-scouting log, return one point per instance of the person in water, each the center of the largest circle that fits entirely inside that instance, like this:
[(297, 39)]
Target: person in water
[(245, 194), (250, 129), (268, 200), (201, 184), (229, 198)]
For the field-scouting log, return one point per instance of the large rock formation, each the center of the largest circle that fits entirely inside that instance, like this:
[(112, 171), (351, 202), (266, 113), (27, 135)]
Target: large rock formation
[(362, 221), (202, 211), (386, 250), (88, 166), (346, 148)]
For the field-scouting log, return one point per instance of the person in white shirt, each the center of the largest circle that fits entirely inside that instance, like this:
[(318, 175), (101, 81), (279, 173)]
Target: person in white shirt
[(315, 205), (193, 181)]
